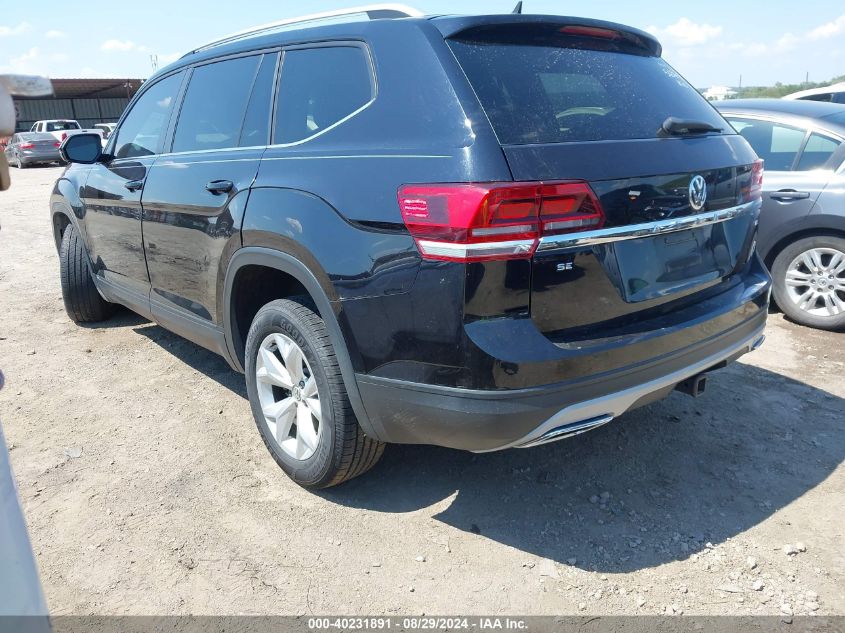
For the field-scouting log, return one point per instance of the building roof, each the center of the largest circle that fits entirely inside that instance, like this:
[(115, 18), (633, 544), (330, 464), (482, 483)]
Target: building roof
[(95, 88)]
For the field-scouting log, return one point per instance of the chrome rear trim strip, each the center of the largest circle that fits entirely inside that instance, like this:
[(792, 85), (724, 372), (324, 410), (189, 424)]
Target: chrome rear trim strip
[(649, 229), (568, 430)]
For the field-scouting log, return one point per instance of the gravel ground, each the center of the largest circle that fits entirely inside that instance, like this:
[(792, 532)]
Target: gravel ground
[(147, 490)]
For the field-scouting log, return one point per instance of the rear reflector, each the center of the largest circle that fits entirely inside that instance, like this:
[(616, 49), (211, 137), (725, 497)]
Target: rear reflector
[(465, 222)]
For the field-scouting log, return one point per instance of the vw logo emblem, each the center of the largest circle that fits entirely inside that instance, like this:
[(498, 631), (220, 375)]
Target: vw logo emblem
[(697, 193)]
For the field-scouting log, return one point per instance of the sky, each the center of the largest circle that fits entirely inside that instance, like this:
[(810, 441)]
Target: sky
[(712, 42)]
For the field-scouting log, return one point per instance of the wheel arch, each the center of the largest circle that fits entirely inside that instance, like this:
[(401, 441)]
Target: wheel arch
[(257, 256), (829, 225)]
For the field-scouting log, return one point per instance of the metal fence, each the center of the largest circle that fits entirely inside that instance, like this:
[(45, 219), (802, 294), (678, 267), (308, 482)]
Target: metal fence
[(86, 111)]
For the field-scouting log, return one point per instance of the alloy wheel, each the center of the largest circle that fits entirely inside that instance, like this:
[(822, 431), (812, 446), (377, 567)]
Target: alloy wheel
[(288, 396), (815, 282)]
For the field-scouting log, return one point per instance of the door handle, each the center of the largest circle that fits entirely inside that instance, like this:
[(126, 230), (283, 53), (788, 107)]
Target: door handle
[(790, 194), (133, 185), (219, 186)]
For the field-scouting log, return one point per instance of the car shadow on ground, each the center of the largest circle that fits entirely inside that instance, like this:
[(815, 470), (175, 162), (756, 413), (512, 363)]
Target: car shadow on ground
[(199, 358), (122, 317), (676, 475)]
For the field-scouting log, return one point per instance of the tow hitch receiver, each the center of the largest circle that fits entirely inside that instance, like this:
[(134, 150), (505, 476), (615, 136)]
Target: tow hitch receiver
[(693, 386)]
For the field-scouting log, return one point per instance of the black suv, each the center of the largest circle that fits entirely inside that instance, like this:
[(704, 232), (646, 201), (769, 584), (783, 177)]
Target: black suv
[(478, 232)]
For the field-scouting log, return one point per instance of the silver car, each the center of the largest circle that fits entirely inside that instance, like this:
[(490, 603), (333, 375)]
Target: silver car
[(802, 225), (32, 148)]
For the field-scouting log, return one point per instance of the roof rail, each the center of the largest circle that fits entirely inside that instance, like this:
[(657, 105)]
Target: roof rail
[(372, 12)]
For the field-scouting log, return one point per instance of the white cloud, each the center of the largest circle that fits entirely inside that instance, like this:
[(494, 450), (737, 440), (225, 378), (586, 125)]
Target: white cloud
[(35, 61), (118, 45), (830, 29), (685, 32), (123, 46), (54, 34), (21, 28)]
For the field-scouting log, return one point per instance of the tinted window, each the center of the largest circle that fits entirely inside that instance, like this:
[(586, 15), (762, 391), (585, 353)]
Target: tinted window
[(825, 96), (214, 105), (548, 94), (142, 130), (776, 144), (256, 126), (817, 152), (319, 87)]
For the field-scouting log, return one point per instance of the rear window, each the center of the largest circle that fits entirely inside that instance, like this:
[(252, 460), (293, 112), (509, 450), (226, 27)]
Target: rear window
[(553, 94), (56, 126)]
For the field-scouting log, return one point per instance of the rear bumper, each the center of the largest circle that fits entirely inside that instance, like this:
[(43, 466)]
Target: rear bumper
[(40, 157), (488, 420)]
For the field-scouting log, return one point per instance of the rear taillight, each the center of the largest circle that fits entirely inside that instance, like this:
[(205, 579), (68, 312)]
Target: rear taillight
[(27, 145), (64, 135), (467, 222), (754, 191), (57, 144)]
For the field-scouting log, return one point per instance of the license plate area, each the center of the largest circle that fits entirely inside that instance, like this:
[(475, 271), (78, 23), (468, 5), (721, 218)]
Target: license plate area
[(651, 267)]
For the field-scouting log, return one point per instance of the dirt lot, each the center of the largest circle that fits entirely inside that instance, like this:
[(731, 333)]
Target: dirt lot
[(147, 490)]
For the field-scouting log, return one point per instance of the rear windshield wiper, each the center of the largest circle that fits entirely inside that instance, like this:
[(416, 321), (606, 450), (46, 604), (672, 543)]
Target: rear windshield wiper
[(685, 127)]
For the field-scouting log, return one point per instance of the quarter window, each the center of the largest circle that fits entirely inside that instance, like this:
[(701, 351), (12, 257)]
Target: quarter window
[(213, 110), (320, 87), (141, 131), (817, 152), (256, 127)]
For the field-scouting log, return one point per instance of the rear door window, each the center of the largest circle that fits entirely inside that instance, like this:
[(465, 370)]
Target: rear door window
[(775, 143), (319, 88), (817, 152), (213, 109), (553, 94)]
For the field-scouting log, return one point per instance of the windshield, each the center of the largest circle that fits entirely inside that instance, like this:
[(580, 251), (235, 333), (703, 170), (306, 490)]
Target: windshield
[(552, 94)]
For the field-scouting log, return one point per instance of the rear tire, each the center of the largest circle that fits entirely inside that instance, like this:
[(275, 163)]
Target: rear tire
[(809, 281), (293, 378), (83, 302)]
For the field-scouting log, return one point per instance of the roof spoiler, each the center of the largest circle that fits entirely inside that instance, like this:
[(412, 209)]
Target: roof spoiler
[(493, 26)]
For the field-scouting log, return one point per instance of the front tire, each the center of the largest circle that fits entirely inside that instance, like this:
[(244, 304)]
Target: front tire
[(809, 281), (83, 302), (298, 398)]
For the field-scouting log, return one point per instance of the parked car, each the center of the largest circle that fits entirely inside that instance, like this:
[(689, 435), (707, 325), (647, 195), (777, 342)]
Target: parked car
[(61, 129), (835, 93), (501, 249), (32, 148), (20, 86), (106, 128), (802, 225)]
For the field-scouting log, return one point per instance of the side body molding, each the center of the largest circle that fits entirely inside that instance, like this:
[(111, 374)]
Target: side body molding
[(260, 256)]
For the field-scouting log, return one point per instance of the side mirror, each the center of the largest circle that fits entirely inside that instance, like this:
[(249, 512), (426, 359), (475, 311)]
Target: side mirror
[(82, 148)]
